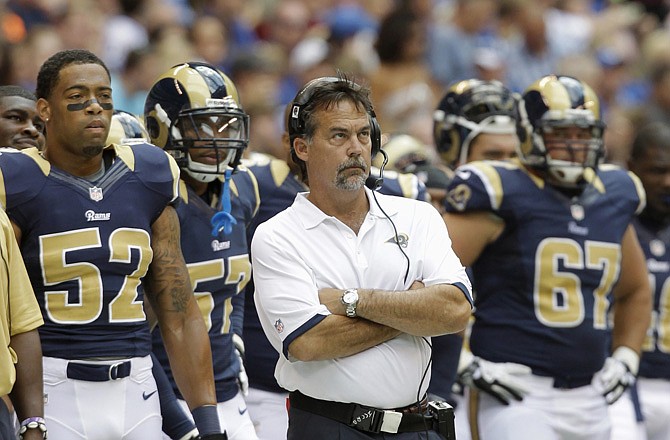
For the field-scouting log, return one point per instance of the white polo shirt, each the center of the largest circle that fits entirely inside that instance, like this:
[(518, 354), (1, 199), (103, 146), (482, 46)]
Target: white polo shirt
[(302, 250)]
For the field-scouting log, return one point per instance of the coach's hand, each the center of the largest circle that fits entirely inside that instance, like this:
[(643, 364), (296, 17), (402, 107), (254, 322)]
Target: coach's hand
[(242, 378), (617, 374), (500, 380)]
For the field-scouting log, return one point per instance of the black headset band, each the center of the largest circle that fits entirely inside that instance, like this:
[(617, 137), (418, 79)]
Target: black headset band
[(296, 120)]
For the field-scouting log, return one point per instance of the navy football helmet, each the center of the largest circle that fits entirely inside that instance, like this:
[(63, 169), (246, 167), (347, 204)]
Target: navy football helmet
[(126, 128), (469, 108), (195, 105), (560, 130)]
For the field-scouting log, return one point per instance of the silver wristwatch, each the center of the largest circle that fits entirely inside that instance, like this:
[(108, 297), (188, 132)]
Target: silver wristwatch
[(350, 300)]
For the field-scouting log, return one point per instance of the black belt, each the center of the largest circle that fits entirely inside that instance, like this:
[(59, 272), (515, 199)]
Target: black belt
[(363, 418), (98, 373), (571, 382)]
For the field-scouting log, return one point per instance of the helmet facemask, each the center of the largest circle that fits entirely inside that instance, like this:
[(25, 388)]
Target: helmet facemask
[(565, 144), (216, 135)]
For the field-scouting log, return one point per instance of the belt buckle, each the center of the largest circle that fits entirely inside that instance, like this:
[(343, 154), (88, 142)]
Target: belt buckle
[(114, 370), (391, 422), (375, 420)]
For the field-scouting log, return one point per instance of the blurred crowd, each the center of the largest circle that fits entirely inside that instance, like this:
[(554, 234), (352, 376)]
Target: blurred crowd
[(408, 51)]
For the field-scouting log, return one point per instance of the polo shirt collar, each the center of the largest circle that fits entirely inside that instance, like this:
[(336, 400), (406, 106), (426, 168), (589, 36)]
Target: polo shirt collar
[(311, 216)]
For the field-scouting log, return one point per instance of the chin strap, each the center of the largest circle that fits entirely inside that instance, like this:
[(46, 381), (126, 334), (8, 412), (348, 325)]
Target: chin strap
[(223, 220)]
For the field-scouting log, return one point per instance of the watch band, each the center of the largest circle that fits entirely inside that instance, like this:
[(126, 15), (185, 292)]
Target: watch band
[(33, 423), (350, 304)]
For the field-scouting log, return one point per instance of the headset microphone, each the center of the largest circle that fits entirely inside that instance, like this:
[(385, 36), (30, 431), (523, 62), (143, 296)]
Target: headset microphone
[(374, 183)]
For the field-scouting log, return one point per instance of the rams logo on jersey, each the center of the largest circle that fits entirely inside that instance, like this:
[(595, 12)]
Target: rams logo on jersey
[(401, 239), (459, 196)]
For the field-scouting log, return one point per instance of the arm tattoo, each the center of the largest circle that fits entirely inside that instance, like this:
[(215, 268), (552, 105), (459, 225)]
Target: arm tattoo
[(168, 274)]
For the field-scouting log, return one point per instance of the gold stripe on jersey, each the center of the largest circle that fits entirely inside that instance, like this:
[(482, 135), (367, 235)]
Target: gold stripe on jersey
[(254, 184), (125, 153), (41, 162), (640, 192), (280, 171), (174, 169), (3, 192), (491, 180), (233, 187), (183, 191), (257, 193), (591, 177), (407, 185)]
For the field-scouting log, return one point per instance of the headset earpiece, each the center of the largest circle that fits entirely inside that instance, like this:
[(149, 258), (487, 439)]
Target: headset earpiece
[(375, 134)]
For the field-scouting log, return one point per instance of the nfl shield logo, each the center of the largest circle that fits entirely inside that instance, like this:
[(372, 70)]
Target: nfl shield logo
[(577, 212), (657, 248), (279, 326), (95, 193)]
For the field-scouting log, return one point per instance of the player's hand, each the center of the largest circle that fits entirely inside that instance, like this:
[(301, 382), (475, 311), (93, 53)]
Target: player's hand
[(223, 436), (242, 378), (500, 380), (617, 374)]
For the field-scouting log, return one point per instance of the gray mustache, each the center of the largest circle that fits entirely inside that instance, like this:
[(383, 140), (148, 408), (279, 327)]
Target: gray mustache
[(351, 163)]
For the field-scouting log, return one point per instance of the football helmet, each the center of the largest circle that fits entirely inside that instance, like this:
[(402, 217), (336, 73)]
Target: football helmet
[(469, 108), (196, 106), (126, 128), (560, 130)]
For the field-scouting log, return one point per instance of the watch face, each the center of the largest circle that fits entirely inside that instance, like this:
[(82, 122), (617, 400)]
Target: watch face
[(350, 297)]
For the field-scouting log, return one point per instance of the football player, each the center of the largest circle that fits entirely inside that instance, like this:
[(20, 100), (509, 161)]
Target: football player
[(279, 181), (193, 112), (20, 125), (551, 245), (650, 161), (97, 231)]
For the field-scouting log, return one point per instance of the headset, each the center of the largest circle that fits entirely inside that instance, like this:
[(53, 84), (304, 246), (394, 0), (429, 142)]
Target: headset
[(296, 120)]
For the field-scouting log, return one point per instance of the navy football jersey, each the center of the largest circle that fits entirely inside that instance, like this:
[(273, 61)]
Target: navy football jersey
[(544, 286), (278, 187), (87, 245), (655, 239), (219, 268)]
